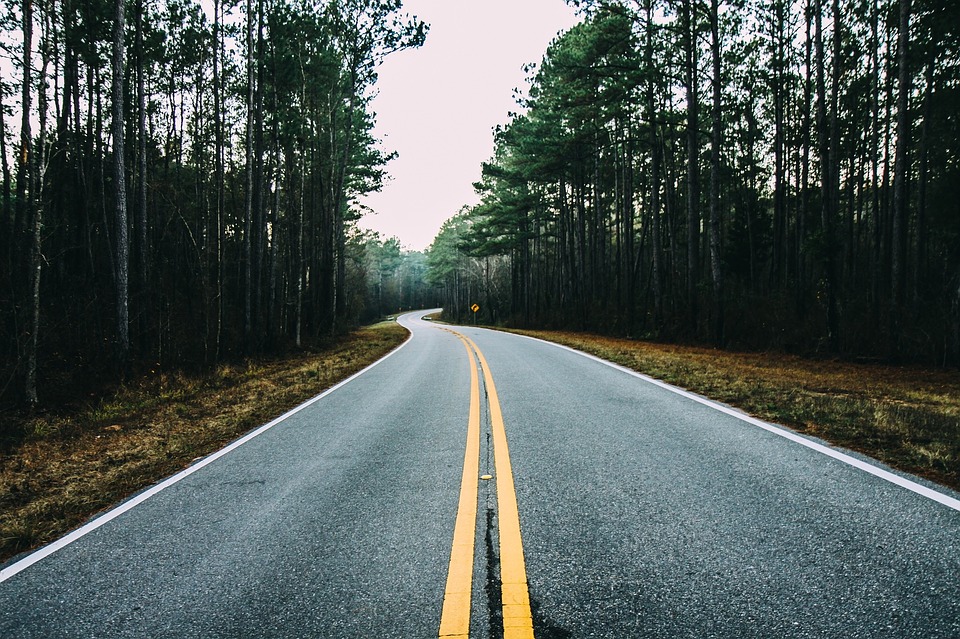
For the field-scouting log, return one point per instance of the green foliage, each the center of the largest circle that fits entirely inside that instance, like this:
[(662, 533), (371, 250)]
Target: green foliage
[(597, 206), (209, 280), (394, 278), (445, 255)]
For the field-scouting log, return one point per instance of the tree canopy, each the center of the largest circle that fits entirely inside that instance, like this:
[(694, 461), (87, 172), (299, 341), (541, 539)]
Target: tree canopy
[(183, 186), (763, 175)]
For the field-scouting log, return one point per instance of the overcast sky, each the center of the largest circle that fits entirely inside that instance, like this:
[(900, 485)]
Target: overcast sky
[(437, 105)]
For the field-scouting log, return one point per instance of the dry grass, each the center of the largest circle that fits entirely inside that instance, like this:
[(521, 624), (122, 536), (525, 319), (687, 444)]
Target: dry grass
[(73, 465), (906, 417)]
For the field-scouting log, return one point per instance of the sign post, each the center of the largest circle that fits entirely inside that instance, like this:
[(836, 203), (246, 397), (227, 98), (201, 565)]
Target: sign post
[(475, 308)]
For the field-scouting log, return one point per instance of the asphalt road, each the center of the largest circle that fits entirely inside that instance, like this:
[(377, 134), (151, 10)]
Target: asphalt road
[(644, 513)]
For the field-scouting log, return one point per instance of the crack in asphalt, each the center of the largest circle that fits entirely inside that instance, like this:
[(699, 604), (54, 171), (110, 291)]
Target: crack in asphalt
[(493, 586), (543, 627)]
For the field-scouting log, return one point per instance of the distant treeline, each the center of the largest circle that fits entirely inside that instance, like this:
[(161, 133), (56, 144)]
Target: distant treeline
[(179, 183), (781, 174)]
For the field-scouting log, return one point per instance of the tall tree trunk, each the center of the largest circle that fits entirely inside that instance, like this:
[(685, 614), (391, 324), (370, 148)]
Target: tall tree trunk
[(6, 210), (779, 90), (218, 121), (688, 11), (654, 175), (826, 184), (248, 208), (801, 286), (716, 268), (339, 203), (900, 170), (920, 275), (876, 256), (24, 163), (259, 238), (70, 70), (275, 314), (25, 177), (833, 211), (885, 187), (122, 244), (145, 320), (629, 222), (300, 261)]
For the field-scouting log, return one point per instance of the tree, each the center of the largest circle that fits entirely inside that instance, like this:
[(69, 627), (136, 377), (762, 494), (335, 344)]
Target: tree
[(384, 259), (592, 200), (716, 268), (690, 31), (899, 232), (121, 243), (27, 201), (176, 259)]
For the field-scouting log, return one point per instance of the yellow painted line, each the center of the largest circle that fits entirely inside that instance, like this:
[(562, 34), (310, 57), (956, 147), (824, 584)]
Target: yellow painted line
[(517, 619), (515, 596), (455, 617)]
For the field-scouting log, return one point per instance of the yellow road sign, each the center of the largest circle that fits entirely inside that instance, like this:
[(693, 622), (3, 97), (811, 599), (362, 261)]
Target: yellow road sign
[(475, 308)]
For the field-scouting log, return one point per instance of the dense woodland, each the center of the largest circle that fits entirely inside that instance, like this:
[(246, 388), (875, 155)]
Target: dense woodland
[(776, 174), (179, 184)]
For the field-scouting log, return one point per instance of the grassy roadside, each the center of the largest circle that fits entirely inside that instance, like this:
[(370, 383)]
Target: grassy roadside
[(74, 465), (908, 418)]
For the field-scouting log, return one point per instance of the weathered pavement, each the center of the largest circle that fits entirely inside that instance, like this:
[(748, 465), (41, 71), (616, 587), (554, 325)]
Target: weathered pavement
[(644, 513)]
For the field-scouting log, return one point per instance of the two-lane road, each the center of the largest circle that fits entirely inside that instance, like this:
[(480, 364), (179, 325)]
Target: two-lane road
[(644, 513)]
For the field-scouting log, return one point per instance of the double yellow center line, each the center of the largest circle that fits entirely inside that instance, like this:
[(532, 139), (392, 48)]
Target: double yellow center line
[(455, 618)]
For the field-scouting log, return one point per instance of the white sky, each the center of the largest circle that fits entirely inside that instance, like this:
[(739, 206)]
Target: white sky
[(437, 105)]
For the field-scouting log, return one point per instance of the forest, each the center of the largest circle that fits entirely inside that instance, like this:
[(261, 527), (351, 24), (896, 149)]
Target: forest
[(778, 175), (180, 183)]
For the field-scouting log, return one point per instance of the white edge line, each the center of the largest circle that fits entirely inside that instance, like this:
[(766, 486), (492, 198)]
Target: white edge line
[(893, 478), (110, 515)]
